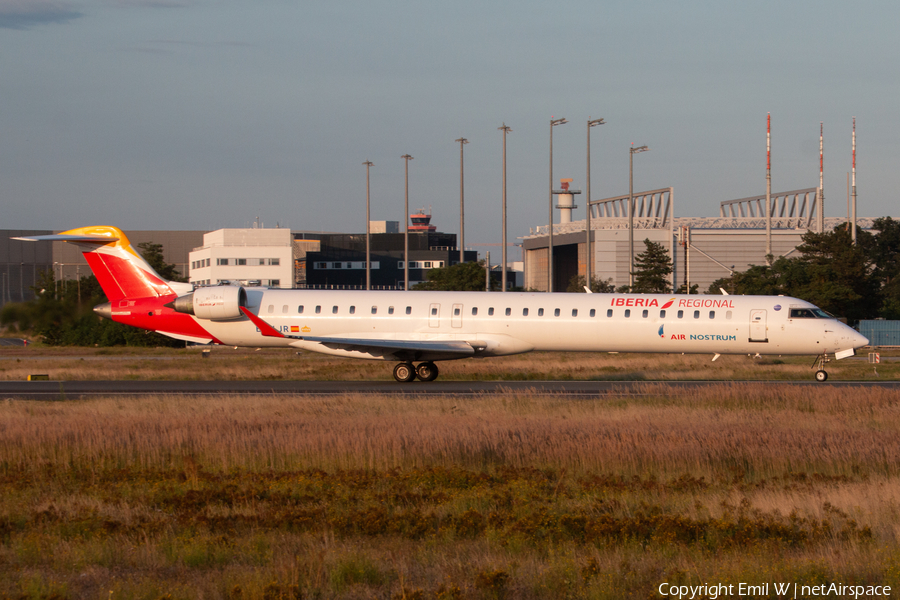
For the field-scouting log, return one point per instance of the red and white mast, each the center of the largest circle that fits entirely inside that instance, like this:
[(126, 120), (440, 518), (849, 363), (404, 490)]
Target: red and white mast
[(768, 188), (820, 220), (853, 187)]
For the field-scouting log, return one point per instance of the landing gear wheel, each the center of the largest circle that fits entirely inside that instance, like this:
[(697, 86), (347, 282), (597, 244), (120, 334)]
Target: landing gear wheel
[(427, 371), (821, 375), (404, 372)]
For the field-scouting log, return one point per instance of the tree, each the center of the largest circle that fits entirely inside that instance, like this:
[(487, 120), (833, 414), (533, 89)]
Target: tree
[(830, 272), (461, 277), (886, 257), (836, 275), (652, 269), (153, 254), (598, 286)]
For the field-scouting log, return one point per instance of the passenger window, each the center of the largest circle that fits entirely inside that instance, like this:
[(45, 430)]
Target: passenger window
[(334, 310), (508, 311), (609, 313), (390, 310), (627, 313), (662, 314), (491, 311), (696, 314), (574, 312), (409, 310), (300, 310), (728, 315), (646, 313), (284, 309), (593, 312), (474, 310), (318, 309), (680, 314), (540, 312), (556, 312), (271, 308), (374, 310), (352, 310), (712, 314), (524, 312)]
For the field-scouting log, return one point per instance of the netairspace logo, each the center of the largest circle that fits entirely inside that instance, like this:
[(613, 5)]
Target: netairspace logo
[(767, 590)]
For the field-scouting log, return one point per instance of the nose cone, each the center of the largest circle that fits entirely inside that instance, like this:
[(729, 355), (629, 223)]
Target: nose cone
[(104, 310), (859, 340)]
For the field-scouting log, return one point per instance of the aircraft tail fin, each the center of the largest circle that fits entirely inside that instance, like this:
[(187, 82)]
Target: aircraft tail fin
[(120, 270)]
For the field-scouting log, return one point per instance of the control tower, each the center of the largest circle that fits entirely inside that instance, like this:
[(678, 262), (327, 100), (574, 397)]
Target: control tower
[(421, 222)]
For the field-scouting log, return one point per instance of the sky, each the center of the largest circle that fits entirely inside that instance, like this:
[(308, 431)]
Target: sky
[(203, 114)]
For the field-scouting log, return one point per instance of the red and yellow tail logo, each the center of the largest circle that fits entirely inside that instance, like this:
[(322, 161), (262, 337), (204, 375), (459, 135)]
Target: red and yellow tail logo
[(121, 271)]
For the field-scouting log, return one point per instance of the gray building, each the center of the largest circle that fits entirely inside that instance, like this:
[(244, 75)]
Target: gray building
[(21, 263)]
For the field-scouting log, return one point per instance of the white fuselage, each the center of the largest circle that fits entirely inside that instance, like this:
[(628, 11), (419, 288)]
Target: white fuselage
[(509, 323)]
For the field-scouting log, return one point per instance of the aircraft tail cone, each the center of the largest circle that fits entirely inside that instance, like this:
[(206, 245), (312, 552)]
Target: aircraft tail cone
[(104, 310)]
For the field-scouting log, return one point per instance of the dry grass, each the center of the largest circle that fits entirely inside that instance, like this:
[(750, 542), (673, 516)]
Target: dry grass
[(503, 496), (241, 364), (755, 429)]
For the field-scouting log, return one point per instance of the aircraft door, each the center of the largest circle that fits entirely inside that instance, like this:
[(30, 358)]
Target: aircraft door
[(434, 315), (456, 315), (758, 328)]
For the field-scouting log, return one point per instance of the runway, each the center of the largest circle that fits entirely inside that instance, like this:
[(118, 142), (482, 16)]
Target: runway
[(76, 390)]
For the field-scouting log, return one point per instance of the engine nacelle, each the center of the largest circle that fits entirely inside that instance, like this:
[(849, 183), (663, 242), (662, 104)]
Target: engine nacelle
[(219, 303)]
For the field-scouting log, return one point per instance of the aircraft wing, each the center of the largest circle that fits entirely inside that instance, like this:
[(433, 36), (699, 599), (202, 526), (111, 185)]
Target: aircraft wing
[(452, 346), (402, 349)]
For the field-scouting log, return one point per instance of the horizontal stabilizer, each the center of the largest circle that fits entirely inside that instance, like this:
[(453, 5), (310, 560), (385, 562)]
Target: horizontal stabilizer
[(63, 237)]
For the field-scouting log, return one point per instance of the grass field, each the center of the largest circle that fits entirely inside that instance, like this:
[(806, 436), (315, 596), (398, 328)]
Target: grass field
[(502, 496)]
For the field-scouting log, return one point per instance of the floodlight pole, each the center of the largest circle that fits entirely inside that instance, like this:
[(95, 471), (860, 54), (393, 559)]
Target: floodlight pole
[(553, 123), (368, 164), (632, 151), (505, 129), (462, 223), (407, 158), (588, 255)]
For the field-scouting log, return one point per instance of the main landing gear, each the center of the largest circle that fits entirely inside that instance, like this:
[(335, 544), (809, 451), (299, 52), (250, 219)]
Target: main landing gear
[(405, 372), (821, 374)]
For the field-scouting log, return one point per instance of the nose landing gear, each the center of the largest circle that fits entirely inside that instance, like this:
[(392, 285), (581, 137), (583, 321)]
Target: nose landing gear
[(405, 372), (819, 365)]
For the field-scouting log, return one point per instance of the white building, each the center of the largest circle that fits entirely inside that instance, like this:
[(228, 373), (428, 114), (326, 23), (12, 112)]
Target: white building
[(249, 257)]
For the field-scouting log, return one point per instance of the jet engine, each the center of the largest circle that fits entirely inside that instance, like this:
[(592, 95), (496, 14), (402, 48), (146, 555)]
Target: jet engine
[(219, 303)]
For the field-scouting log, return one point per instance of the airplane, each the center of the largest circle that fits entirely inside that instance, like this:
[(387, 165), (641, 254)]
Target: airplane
[(428, 327)]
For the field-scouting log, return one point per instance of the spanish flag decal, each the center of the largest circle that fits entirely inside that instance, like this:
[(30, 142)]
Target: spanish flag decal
[(295, 329)]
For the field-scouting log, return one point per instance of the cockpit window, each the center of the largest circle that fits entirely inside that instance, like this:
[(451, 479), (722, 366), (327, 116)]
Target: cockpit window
[(809, 313)]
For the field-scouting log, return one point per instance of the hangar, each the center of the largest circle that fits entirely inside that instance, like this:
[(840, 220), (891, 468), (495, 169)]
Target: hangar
[(703, 249)]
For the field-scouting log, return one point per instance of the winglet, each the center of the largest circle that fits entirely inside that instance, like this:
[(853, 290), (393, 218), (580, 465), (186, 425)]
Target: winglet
[(264, 328)]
